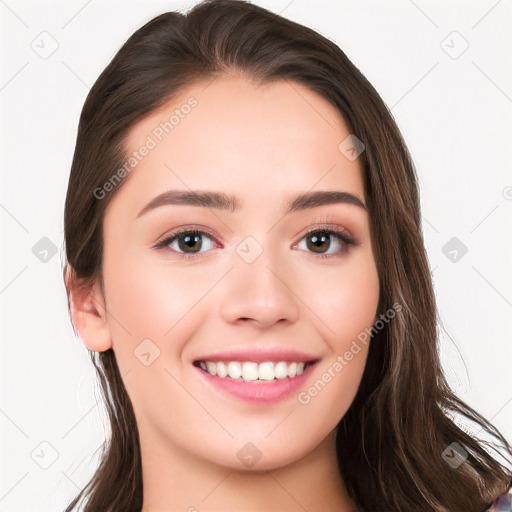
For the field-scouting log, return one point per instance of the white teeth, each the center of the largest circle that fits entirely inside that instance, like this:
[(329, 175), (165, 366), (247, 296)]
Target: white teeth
[(280, 370), (266, 371), (251, 371), (292, 370), (211, 368), (235, 370), (222, 369)]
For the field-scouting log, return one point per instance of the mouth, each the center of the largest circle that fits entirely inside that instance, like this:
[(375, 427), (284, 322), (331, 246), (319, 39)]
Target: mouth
[(261, 382)]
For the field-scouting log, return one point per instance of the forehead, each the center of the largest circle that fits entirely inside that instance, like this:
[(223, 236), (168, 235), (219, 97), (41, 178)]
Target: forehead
[(253, 140)]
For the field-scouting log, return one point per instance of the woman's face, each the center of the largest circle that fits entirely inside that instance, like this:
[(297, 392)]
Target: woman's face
[(253, 286)]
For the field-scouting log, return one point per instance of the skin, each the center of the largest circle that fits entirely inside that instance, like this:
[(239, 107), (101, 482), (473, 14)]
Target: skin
[(263, 144)]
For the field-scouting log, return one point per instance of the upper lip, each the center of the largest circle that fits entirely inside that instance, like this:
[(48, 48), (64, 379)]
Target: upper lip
[(260, 355)]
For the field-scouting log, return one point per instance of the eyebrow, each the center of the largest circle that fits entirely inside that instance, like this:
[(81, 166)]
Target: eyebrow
[(221, 201)]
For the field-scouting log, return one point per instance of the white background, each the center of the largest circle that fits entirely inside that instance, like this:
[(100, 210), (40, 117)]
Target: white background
[(455, 114)]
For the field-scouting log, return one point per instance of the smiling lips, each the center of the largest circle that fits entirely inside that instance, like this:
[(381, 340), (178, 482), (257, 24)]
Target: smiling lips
[(256, 364), (261, 376)]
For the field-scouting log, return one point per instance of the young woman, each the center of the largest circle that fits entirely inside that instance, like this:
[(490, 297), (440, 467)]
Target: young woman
[(246, 266)]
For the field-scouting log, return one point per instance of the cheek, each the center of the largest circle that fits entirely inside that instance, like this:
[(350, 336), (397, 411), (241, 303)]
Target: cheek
[(347, 305), (343, 300), (151, 314), (150, 305)]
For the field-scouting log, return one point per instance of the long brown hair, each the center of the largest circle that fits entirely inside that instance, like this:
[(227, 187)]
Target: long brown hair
[(390, 443)]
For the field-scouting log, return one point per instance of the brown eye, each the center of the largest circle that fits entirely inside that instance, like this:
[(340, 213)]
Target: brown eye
[(187, 242), (192, 242), (326, 242), (318, 242)]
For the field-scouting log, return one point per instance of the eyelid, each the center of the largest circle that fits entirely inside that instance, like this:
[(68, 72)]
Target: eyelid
[(329, 222), (187, 228), (335, 228)]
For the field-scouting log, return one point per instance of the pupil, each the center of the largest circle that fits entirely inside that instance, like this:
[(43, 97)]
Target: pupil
[(188, 242), (323, 239)]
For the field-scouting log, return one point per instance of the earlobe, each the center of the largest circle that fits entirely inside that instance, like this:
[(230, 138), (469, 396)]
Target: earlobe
[(88, 313)]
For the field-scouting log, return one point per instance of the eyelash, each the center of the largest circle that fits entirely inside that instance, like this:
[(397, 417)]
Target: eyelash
[(345, 239)]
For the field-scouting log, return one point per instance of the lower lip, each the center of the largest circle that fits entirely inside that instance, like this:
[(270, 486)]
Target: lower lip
[(258, 392)]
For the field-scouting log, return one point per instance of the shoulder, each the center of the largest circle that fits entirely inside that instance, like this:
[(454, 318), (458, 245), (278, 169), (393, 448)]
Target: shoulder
[(502, 502)]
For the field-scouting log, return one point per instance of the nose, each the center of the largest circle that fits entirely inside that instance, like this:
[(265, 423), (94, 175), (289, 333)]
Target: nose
[(260, 292)]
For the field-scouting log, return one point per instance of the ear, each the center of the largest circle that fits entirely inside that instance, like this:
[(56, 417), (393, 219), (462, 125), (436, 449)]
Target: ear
[(88, 314)]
